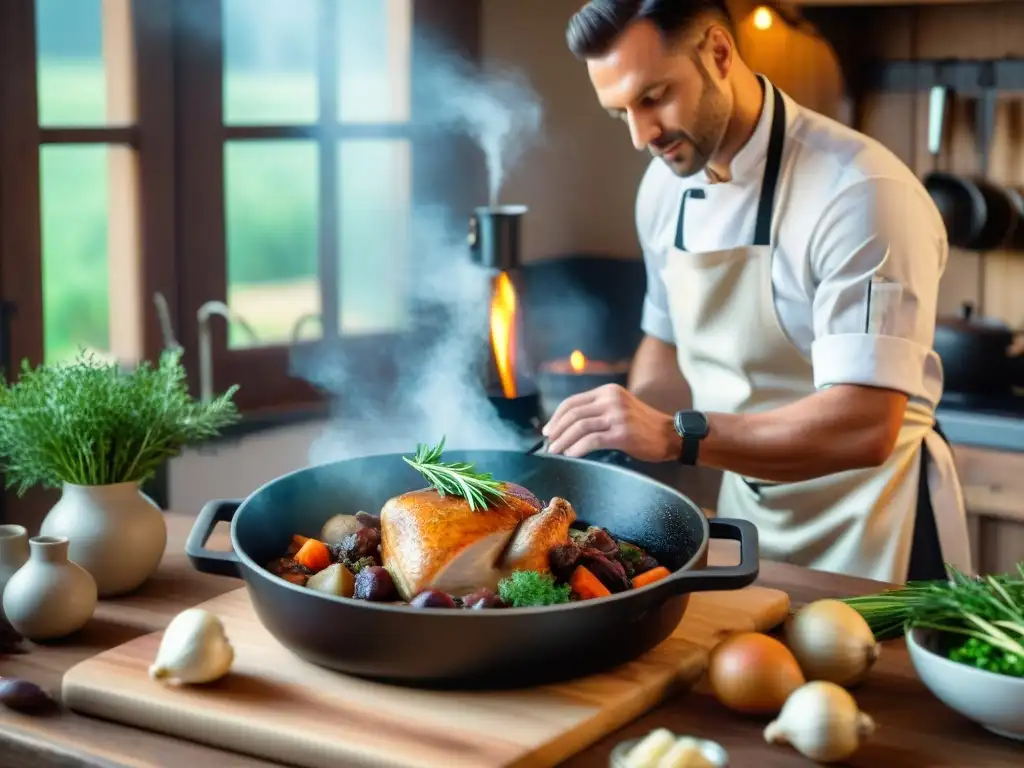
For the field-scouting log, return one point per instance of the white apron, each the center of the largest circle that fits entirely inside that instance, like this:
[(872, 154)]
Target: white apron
[(737, 359)]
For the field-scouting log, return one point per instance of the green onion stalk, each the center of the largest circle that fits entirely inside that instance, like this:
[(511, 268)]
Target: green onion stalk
[(985, 613)]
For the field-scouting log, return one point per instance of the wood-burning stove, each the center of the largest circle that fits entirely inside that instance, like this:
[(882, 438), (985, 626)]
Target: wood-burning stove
[(509, 376)]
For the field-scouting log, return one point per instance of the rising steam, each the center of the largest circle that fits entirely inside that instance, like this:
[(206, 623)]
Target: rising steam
[(440, 389)]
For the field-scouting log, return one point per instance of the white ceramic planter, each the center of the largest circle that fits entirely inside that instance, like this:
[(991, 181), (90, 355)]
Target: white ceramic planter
[(49, 597), (116, 532), (13, 555)]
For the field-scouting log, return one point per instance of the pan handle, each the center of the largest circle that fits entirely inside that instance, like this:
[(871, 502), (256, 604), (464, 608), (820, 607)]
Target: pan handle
[(207, 560), (726, 577)]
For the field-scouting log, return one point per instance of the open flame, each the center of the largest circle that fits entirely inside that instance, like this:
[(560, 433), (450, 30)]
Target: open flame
[(577, 361), (503, 332)]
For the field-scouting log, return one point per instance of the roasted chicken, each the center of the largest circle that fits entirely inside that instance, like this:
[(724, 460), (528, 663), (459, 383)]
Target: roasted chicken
[(429, 541)]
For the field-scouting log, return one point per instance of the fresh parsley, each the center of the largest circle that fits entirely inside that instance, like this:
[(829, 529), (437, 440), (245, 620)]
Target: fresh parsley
[(530, 588)]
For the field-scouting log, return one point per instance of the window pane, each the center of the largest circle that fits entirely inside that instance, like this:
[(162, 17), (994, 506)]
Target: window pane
[(375, 54), (270, 53), (272, 204), (374, 221), (75, 218), (74, 39)]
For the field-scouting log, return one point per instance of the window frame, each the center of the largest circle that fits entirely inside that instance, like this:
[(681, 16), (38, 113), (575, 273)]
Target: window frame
[(267, 374), (175, 257), (22, 138)]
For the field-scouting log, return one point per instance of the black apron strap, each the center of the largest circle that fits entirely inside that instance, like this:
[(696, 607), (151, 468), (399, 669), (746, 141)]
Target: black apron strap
[(926, 561), (772, 171), (769, 182), (697, 194)]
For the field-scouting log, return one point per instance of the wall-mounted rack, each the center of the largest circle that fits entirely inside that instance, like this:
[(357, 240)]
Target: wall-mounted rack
[(962, 76)]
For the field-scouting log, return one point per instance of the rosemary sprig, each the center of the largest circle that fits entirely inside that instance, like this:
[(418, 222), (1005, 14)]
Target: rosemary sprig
[(455, 478)]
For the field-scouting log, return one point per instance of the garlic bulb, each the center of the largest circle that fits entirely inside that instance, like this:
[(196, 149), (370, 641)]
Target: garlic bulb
[(832, 641), (194, 649), (821, 721)]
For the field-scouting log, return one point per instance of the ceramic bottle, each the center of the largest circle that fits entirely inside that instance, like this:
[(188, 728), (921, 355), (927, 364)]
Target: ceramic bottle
[(50, 596), (117, 533), (13, 555)]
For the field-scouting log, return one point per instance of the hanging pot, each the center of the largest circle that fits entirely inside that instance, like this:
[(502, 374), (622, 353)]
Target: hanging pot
[(976, 353)]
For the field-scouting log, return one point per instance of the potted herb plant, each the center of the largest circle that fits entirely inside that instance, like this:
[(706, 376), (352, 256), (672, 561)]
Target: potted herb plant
[(97, 432)]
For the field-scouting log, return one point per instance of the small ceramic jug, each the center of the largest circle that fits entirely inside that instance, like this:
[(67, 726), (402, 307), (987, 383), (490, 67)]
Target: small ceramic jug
[(117, 533), (13, 555), (50, 596)]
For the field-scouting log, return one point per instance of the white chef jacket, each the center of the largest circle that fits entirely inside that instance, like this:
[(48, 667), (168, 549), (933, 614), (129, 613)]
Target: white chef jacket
[(859, 251)]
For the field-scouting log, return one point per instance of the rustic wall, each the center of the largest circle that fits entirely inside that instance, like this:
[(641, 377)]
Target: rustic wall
[(900, 121), (580, 181)]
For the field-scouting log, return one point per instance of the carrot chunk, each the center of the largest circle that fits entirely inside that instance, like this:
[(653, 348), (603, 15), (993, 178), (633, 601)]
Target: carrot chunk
[(297, 542), (651, 576), (314, 555), (586, 585)]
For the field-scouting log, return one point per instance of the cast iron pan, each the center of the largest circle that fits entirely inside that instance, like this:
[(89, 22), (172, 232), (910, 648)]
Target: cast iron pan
[(979, 215), (437, 648)]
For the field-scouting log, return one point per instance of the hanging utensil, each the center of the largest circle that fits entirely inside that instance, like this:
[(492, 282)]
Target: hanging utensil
[(979, 214), (936, 119)]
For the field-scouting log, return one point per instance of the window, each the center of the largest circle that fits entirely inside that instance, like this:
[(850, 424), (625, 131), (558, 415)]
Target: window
[(298, 164), (167, 163), (71, 218)]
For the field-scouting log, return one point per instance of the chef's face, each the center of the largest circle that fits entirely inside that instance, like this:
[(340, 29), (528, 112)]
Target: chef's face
[(673, 97)]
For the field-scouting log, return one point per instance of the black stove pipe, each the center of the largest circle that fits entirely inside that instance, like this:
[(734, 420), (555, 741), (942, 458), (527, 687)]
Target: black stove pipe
[(494, 236), (495, 244)]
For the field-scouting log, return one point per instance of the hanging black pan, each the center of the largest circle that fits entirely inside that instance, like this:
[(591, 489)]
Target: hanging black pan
[(466, 648), (979, 215)]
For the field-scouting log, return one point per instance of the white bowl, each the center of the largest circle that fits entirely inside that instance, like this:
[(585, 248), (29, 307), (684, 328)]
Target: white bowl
[(996, 702)]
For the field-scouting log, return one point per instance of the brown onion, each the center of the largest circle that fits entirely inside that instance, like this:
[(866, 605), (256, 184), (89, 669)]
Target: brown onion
[(753, 673)]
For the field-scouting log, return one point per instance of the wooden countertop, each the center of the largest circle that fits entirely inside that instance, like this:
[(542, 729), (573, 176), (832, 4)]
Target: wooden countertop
[(915, 729)]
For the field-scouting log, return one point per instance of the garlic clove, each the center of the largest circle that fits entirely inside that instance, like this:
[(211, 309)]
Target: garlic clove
[(194, 649), (654, 746), (821, 721)]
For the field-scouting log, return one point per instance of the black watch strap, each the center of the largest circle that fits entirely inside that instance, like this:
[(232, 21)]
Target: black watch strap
[(692, 427)]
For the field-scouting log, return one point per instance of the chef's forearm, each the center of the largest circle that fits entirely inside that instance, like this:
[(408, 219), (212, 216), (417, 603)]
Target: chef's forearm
[(837, 429), (654, 376)]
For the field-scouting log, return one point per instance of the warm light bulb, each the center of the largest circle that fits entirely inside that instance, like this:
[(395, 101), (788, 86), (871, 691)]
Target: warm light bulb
[(577, 361), (763, 18)]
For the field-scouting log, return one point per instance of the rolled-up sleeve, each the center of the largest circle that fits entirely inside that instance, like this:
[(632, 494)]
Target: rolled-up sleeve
[(655, 319), (877, 256)]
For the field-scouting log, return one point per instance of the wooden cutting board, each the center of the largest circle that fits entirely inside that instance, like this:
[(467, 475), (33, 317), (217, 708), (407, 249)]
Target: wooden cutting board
[(274, 705)]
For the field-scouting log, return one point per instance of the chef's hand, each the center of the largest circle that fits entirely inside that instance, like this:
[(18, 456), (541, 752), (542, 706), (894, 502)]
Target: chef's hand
[(611, 418)]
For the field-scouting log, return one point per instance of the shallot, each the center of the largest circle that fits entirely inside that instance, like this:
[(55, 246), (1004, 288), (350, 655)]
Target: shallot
[(821, 721)]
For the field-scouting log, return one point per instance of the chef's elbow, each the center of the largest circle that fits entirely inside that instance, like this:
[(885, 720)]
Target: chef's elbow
[(878, 443)]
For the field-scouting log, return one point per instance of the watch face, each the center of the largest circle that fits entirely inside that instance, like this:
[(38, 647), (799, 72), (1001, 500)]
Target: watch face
[(692, 424)]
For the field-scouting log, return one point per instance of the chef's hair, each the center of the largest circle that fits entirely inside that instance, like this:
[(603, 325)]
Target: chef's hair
[(595, 27)]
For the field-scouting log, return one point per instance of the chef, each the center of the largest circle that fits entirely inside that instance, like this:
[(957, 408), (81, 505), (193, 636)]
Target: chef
[(793, 268)]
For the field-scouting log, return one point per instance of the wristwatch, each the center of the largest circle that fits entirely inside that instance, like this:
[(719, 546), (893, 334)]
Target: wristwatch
[(692, 426)]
